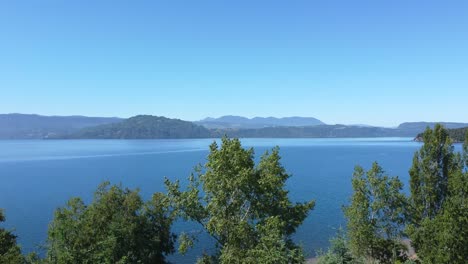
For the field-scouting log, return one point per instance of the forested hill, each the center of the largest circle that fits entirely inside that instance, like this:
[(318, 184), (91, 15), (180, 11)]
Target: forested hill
[(151, 127), (31, 126), (419, 127), (143, 127), (154, 127), (320, 131), (456, 134)]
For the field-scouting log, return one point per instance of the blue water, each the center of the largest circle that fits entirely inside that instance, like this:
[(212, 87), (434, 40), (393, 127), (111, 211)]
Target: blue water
[(36, 177)]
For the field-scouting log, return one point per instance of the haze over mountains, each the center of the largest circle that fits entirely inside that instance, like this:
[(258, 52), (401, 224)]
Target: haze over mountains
[(241, 122), (20, 126)]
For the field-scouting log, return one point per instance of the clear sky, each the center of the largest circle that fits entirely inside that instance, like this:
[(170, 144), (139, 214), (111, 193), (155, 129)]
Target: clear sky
[(367, 62)]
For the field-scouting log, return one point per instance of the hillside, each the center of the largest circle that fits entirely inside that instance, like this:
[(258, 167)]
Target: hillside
[(320, 131), (149, 127), (239, 122), (419, 127), (456, 134), (143, 127), (26, 126)]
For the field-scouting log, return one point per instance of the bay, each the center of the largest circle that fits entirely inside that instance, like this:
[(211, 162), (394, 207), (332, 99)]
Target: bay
[(37, 176)]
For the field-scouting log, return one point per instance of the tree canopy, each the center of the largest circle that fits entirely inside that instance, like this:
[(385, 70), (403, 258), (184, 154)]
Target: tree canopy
[(117, 227), (376, 215), (438, 224), (10, 252), (435, 215), (243, 206)]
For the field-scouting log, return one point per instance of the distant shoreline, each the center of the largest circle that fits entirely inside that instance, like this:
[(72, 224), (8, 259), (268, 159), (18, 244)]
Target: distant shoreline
[(379, 137), (20, 126)]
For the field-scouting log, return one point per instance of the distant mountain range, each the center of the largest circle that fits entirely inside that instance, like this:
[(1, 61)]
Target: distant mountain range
[(19, 126), (24, 126), (320, 131), (240, 122)]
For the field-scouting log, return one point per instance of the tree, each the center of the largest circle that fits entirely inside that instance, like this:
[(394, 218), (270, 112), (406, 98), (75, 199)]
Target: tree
[(117, 227), (445, 238), (429, 174), (10, 252), (465, 153), (439, 199), (339, 251), (243, 206), (376, 216)]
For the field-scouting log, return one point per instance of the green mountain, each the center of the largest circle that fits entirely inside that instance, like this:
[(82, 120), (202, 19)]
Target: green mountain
[(143, 127), (456, 134)]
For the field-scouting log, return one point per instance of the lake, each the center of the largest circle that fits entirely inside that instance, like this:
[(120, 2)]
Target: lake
[(37, 176)]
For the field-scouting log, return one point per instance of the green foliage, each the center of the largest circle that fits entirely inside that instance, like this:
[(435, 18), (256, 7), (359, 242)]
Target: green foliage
[(429, 173), (117, 227), (465, 152), (376, 215), (10, 252), (444, 239), (33, 258), (271, 247), (339, 251), (456, 134), (439, 200), (244, 207)]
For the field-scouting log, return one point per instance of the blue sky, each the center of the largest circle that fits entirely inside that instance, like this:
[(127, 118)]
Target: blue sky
[(372, 62)]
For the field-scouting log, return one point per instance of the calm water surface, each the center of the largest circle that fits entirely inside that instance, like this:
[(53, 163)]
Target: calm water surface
[(36, 177)]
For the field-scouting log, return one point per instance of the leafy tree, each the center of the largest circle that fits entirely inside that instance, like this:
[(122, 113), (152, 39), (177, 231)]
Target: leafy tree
[(376, 216), (243, 206), (439, 197), (10, 252), (34, 258), (445, 238), (465, 153), (339, 251), (117, 227), (429, 174)]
